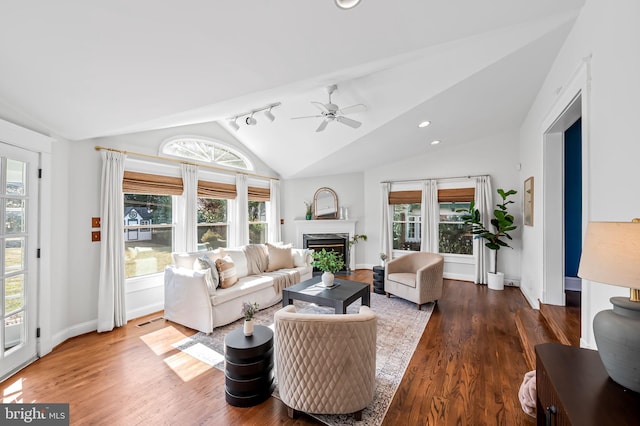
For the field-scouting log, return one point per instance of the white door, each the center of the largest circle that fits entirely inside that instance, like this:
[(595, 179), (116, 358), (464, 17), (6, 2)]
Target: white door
[(18, 257)]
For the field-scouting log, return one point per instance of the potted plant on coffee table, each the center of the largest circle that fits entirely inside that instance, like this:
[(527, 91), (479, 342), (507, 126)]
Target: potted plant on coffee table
[(329, 262), (502, 223), (248, 311)]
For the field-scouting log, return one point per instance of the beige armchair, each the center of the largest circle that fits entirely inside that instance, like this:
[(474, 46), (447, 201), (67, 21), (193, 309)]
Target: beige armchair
[(416, 277), (325, 364)]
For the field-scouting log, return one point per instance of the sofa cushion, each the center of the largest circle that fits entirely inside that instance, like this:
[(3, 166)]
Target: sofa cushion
[(239, 259), (301, 257), (243, 288), (204, 263), (279, 258), (404, 278), (227, 270), (186, 260)]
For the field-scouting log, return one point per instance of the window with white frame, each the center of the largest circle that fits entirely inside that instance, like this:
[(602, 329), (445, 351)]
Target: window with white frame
[(204, 150), (258, 222), (148, 233), (213, 224), (406, 226), (454, 236)]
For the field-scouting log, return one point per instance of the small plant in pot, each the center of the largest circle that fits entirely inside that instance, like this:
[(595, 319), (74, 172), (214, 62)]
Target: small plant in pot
[(502, 223), (329, 262), (309, 210), (248, 311), (352, 242)]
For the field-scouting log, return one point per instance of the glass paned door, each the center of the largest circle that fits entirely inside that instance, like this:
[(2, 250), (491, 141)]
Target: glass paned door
[(18, 245)]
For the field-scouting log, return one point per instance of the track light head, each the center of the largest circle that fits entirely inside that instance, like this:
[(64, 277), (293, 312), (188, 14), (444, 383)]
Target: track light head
[(233, 123), (250, 121), (269, 115)]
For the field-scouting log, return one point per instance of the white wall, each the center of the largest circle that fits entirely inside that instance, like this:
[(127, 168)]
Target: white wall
[(611, 35)]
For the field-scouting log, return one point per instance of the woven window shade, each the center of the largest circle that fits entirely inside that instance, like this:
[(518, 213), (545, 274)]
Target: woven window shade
[(144, 183), (457, 195), (405, 197), (208, 189), (258, 194)]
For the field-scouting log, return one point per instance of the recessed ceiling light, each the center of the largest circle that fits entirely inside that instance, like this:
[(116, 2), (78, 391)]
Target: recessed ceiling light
[(347, 4), (436, 142), (424, 124)]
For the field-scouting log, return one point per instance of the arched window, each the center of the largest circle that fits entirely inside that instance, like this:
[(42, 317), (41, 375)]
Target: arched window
[(200, 149)]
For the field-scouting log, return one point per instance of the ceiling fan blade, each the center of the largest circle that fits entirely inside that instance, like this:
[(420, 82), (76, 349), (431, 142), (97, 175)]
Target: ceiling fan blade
[(352, 109), (307, 116), (320, 106), (349, 122), (322, 125)]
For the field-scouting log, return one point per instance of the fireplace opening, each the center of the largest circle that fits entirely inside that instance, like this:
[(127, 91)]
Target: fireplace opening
[(329, 242)]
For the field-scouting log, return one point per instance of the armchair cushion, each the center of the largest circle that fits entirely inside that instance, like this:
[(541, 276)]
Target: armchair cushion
[(405, 278)]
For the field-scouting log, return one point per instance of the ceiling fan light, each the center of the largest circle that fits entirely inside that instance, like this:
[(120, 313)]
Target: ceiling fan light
[(269, 115), (347, 4)]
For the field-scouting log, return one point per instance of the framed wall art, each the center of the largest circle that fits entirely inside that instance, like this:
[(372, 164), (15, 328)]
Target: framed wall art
[(528, 201)]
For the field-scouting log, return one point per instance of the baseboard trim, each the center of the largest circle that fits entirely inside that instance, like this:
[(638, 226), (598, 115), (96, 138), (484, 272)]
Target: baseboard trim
[(533, 302), (144, 310)]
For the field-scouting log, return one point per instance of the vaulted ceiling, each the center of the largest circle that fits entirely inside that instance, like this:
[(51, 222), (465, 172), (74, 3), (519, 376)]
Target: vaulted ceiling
[(80, 70)]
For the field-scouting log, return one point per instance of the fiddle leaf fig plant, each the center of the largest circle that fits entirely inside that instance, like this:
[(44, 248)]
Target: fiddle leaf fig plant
[(502, 222)]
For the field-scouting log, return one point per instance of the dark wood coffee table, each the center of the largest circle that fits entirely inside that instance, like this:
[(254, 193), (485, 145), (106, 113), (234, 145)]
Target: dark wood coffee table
[(344, 293)]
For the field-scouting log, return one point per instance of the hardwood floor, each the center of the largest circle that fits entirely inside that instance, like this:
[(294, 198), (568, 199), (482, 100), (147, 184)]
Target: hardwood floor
[(466, 370)]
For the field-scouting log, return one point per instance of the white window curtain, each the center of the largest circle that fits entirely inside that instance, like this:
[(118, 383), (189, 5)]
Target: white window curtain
[(240, 214), (273, 212), (430, 216), (386, 238), (111, 292), (484, 203), (189, 219)]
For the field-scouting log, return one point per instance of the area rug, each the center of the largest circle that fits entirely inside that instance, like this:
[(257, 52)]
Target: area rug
[(400, 326)]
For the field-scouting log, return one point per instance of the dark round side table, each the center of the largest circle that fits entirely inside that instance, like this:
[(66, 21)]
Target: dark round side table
[(248, 366), (378, 279)]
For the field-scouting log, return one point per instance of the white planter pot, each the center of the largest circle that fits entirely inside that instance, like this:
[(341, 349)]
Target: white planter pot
[(327, 279), (248, 328), (496, 281)]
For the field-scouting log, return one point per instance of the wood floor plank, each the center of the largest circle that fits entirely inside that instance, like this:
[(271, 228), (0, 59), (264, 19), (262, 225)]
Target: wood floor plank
[(466, 370)]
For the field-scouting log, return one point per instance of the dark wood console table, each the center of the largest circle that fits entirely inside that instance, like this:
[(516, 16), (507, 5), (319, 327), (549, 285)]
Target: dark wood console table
[(574, 389)]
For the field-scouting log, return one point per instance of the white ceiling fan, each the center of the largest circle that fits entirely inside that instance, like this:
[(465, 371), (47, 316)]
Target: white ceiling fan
[(331, 112)]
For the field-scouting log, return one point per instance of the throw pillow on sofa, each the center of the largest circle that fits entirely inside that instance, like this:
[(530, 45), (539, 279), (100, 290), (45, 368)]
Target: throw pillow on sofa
[(279, 258), (227, 271), (301, 257), (204, 263)]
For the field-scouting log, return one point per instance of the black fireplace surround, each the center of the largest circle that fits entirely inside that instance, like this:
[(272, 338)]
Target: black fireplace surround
[(329, 242)]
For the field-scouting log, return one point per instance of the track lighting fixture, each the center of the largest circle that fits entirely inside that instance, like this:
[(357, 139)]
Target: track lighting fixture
[(233, 123), (249, 119), (269, 115)]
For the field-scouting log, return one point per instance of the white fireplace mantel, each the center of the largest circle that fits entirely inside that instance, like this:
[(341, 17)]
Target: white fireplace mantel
[(326, 226)]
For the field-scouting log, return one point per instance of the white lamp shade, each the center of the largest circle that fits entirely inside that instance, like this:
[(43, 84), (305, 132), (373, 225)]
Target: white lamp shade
[(611, 254)]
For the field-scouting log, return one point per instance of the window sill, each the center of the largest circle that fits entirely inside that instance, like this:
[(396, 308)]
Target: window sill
[(135, 284)]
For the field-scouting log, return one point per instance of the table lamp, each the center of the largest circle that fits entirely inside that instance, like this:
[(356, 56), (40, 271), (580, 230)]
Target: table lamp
[(611, 255)]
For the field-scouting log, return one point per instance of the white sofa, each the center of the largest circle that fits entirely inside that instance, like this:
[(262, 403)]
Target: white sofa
[(191, 301)]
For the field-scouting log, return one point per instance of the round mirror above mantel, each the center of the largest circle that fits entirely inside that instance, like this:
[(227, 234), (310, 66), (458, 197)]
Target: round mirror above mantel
[(325, 204)]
